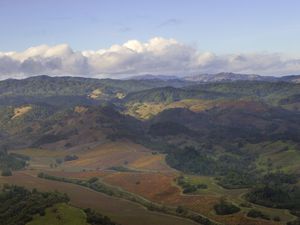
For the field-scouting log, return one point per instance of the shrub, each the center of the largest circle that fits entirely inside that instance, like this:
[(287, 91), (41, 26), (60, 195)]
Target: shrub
[(70, 157), (93, 180), (6, 172), (276, 218), (246, 204), (257, 214), (95, 218), (295, 222), (181, 210), (225, 208)]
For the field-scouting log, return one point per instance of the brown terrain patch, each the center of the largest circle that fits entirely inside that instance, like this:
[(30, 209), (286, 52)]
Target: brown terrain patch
[(121, 211), (160, 188), (121, 153), (80, 109), (19, 111)]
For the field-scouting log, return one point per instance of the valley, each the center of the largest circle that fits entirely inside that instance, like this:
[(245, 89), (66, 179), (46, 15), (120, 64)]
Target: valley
[(157, 151), (149, 177)]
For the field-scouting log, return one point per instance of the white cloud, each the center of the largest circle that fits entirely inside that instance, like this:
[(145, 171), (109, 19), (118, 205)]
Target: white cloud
[(157, 56)]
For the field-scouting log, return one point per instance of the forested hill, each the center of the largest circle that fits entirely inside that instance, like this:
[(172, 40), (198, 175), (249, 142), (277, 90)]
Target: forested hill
[(78, 86)]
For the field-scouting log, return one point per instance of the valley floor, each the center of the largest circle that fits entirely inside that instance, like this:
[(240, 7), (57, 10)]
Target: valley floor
[(138, 170)]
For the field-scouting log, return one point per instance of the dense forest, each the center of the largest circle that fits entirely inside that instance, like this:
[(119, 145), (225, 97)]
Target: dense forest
[(18, 205)]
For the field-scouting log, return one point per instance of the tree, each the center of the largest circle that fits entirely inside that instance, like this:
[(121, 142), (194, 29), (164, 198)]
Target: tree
[(6, 172)]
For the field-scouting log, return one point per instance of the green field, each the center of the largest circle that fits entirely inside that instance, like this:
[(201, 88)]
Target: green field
[(60, 214), (278, 155), (235, 196)]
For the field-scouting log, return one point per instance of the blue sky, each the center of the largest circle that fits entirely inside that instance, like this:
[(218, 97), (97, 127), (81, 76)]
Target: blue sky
[(113, 38), (221, 26)]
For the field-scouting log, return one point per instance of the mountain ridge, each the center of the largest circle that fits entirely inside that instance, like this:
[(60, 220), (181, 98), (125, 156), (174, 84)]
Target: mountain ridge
[(219, 77), (202, 78)]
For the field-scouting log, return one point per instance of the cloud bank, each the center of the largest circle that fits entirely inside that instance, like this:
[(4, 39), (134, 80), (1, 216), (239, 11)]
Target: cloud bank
[(157, 56)]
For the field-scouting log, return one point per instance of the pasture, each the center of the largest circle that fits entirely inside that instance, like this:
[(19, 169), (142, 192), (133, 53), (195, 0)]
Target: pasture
[(60, 214)]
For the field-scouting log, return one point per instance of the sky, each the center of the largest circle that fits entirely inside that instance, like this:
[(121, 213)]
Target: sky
[(110, 38)]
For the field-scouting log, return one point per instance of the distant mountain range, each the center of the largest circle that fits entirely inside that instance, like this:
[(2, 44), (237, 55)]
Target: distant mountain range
[(291, 78), (220, 77), (153, 77)]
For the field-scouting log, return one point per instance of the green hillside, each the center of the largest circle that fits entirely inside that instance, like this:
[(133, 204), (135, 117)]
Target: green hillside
[(60, 214)]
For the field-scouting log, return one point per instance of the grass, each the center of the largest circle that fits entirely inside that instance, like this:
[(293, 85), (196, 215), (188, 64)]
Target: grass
[(21, 111), (36, 152), (146, 110), (60, 214), (103, 156), (212, 187), (42, 158), (278, 155)]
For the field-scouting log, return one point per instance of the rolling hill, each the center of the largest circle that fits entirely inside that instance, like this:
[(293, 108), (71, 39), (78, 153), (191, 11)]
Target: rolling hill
[(242, 134)]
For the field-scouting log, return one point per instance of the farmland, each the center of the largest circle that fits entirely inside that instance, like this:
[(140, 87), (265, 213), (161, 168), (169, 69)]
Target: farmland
[(104, 156), (119, 210), (161, 188), (150, 178)]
